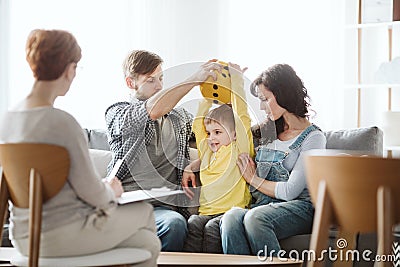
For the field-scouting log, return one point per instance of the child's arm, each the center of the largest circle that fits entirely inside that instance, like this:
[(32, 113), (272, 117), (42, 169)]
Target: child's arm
[(244, 137), (194, 166), (198, 122)]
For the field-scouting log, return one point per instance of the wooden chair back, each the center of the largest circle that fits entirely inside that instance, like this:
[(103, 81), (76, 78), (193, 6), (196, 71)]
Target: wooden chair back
[(31, 175), (358, 194), (352, 185)]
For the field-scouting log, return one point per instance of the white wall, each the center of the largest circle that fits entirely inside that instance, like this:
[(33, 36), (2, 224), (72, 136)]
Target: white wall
[(100, 30), (306, 34)]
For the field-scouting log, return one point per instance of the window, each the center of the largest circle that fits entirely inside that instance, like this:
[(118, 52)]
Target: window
[(305, 34)]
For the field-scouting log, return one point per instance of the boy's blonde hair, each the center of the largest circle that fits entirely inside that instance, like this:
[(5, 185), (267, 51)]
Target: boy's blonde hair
[(222, 115)]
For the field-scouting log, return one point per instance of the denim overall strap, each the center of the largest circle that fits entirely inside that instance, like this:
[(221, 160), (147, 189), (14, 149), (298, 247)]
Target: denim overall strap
[(296, 144), (270, 166), (304, 195)]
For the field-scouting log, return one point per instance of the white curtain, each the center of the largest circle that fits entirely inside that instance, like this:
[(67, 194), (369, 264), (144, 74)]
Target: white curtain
[(4, 50), (306, 34)]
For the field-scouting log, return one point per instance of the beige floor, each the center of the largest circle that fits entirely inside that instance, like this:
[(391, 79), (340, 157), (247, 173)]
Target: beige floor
[(168, 259)]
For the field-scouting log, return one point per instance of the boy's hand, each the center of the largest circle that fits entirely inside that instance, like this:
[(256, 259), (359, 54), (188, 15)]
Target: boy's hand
[(235, 68), (236, 75), (247, 167)]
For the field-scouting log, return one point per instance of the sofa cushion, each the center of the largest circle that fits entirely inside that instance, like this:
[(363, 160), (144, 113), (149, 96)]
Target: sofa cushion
[(98, 139), (369, 139)]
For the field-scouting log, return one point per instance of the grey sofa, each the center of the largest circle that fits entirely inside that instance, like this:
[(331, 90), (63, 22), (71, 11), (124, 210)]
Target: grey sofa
[(369, 140)]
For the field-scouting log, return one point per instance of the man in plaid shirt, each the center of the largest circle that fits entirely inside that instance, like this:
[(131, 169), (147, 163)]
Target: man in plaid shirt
[(152, 138)]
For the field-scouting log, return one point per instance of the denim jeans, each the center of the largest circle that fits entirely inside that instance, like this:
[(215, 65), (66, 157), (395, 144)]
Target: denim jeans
[(203, 234), (171, 228), (246, 232)]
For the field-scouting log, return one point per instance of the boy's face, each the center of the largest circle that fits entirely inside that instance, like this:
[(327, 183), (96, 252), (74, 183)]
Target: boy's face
[(218, 135)]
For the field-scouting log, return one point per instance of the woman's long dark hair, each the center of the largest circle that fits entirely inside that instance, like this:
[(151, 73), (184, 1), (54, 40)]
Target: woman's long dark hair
[(288, 90)]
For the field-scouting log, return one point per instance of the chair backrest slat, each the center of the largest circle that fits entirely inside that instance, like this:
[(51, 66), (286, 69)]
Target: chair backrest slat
[(4, 196), (17, 160), (352, 184)]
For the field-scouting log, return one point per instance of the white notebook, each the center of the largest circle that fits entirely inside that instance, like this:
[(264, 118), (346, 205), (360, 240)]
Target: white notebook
[(139, 195)]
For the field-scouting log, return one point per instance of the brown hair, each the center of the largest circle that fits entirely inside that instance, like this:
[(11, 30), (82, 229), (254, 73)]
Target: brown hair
[(288, 89), (140, 62), (48, 53), (222, 115)]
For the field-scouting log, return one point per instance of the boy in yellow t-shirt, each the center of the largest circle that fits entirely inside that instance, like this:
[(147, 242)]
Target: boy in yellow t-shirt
[(221, 135)]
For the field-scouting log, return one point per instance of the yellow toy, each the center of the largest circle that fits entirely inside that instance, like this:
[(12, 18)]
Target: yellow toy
[(220, 90)]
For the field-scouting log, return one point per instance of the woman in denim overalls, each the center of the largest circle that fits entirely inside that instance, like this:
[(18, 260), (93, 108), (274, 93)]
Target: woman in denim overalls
[(282, 205)]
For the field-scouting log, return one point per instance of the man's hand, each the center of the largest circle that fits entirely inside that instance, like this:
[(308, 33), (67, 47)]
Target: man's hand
[(188, 176), (165, 100), (206, 70)]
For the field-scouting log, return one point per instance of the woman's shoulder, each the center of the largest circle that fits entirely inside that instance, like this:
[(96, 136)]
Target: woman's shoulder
[(45, 115), (61, 118), (315, 137), (59, 113), (317, 134)]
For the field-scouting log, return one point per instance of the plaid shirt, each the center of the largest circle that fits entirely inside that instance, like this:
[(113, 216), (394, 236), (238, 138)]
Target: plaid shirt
[(130, 129)]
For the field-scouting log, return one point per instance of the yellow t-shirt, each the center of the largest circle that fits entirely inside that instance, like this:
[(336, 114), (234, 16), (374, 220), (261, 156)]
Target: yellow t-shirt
[(223, 186)]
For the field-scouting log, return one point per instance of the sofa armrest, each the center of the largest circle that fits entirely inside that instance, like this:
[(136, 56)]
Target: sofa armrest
[(100, 160)]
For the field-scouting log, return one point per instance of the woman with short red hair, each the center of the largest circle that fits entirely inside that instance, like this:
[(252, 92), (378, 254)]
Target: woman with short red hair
[(83, 217)]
